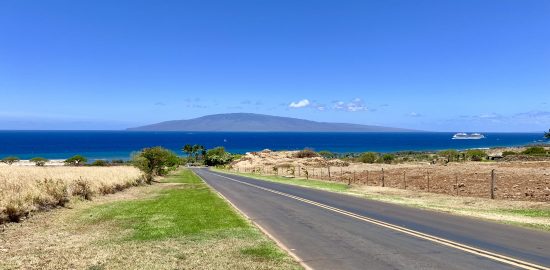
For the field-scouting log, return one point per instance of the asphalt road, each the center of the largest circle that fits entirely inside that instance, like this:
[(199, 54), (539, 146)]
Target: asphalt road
[(328, 230)]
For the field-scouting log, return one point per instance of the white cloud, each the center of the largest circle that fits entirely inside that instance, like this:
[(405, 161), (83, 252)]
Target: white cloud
[(339, 105), (414, 114), (300, 104), (356, 105)]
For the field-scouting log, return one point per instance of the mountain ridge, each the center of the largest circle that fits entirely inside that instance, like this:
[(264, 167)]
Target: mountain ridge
[(252, 122)]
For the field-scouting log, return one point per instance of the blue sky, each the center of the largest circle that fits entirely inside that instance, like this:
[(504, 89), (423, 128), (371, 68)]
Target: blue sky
[(472, 65)]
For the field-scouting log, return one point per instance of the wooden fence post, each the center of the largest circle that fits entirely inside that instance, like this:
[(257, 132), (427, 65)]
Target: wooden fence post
[(493, 184), (456, 184), (367, 182), (428, 178), (354, 177), (328, 169), (405, 179), (383, 182)]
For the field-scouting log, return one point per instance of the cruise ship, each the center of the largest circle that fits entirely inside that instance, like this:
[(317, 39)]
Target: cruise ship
[(465, 136)]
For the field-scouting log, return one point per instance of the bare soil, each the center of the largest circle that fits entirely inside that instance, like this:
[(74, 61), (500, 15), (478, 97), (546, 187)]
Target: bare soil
[(513, 180)]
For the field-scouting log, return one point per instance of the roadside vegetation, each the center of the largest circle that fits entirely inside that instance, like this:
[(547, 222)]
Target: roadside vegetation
[(24, 190), (155, 161), (176, 223)]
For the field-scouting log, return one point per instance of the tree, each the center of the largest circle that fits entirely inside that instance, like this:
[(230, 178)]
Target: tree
[(198, 150), (76, 160), (39, 161), (547, 134), (10, 160), (368, 157), (187, 149), (217, 156), (155, 161)]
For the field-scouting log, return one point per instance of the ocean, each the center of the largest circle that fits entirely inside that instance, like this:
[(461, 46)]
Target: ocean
[(120, 144)]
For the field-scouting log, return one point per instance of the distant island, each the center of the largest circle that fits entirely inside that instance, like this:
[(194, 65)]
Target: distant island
[(251, 122)]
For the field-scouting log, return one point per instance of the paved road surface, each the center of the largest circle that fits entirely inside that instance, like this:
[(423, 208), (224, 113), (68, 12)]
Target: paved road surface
[(335, 231)]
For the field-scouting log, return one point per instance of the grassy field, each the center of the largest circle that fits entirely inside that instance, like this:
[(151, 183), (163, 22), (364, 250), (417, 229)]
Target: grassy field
[(179, 223), (25, 189), (522, 213)]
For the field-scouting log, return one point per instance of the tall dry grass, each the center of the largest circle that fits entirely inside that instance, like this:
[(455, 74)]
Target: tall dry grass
[(27, 189)]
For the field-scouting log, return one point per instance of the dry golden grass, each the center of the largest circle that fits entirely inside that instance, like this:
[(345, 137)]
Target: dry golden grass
[(27, 189)]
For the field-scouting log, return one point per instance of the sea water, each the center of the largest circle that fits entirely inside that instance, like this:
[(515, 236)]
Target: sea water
[(120, 144)]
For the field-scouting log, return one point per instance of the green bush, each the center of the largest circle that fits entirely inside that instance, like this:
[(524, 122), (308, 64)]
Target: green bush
[(509, 153), (547, 134), (10, 160), (451, 155), (155, 161), (76, 160), (476, 154), (100, 163), (388, 158), (328, 154), (217, 156), (117, 161), (535, 150), (368, 157), (39, 161)]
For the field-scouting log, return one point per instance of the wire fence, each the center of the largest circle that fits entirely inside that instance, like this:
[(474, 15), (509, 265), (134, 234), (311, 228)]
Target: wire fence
[(532, 185)]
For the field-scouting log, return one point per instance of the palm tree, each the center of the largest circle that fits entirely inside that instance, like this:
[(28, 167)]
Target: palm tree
[(197, 150), (547, 134), (187, 149)]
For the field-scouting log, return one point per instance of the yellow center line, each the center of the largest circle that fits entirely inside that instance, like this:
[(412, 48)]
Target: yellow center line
[(466, 248)]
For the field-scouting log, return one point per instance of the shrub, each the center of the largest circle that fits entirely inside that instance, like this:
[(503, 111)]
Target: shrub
[(451, 155), (547, 134), (155, 161), (100, 162), (39, 161), (534, 150), (55, 190), (15, 209), (117, 161), (306, 153), (388, 158), (476, 154), (76, 160), (368, 157), (508, 153), (327, 154), (10, 160), (217, 156), (83, 189)]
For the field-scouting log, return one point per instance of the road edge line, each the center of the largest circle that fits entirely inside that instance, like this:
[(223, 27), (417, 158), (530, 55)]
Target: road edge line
[(263, 230), (456, 245)]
